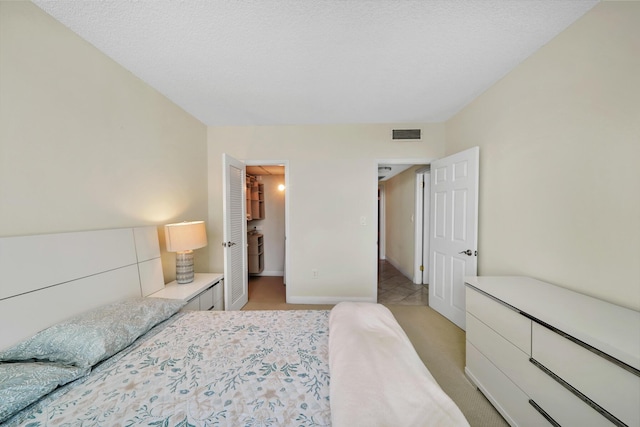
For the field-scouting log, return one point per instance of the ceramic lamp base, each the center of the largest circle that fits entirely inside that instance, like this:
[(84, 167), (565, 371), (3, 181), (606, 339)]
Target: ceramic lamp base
[(184, 267)]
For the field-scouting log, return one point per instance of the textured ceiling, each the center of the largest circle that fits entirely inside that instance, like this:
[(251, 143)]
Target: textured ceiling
[(269, 62)]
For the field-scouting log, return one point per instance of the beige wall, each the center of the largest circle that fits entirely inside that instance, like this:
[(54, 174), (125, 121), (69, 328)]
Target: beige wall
[(400, 209), (84, 144), (559, 145), (332, 184)]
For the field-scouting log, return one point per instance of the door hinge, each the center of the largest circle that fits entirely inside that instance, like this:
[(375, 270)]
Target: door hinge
[(422, 268)]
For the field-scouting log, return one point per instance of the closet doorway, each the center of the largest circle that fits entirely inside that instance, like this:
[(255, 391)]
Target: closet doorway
[(267, 227)]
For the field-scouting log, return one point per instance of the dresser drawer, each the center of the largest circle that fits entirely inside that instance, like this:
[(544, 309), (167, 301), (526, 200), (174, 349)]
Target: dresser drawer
[(508, 399), (193, 304), (608, 385), (560, 404), (206, 299), (218, 296), (512, 361), (505, 321)]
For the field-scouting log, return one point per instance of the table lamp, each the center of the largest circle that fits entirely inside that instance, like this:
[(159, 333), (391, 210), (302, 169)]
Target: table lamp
[(183, 238)]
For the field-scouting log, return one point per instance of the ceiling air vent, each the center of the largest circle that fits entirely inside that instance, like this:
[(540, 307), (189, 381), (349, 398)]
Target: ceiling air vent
[(403, 134)]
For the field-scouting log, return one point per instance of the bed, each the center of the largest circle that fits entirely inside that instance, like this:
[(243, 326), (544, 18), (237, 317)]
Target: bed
[(121, 358)]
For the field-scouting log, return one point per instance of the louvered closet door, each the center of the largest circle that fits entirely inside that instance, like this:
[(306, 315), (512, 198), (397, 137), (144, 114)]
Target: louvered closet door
[(235, 234)]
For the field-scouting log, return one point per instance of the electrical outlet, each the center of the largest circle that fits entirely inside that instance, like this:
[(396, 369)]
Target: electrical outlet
[(363, 220), (314, 273)]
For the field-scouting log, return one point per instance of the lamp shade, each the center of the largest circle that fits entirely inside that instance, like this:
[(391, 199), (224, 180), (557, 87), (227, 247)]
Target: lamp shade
[(185, 236)]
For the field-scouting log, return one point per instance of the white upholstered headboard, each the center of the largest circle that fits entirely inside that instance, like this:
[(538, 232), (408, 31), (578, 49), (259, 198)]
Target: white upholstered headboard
[(47, 278)]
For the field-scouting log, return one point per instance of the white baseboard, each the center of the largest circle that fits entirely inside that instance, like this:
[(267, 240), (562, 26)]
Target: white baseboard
[(327, 300)]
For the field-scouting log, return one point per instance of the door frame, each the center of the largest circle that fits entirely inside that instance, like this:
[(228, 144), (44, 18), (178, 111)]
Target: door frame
[(423, 207), (381, 221), (287, 197), (406, 161)]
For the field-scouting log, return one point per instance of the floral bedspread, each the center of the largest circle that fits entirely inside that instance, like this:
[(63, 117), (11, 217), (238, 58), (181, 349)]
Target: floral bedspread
[(248, 368)]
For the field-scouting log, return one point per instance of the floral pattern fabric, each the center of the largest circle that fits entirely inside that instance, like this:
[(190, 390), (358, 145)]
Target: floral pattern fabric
[(249, 368), (23, 383)]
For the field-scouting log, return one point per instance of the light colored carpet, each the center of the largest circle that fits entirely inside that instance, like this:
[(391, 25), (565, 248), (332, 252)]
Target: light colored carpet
[(439, 343), (441, 346)]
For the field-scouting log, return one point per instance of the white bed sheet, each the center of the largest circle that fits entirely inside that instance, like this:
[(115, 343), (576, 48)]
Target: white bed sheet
[(377, 378)]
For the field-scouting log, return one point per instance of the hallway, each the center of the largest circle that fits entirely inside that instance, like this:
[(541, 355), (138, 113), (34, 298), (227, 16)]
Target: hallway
[(395, 288)]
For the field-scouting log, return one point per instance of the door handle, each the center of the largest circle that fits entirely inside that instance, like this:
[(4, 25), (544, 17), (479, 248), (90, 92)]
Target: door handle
[(228, 244), (467, 252)]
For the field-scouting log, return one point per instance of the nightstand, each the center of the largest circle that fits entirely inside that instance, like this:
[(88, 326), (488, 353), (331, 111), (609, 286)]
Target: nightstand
[(204, 293)]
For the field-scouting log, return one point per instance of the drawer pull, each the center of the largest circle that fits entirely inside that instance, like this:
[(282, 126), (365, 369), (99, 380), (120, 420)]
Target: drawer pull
[(544, 414), (578, 394)]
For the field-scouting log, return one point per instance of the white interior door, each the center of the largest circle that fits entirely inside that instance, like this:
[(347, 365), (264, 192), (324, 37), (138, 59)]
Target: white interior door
[(454, 232), (236, 270)]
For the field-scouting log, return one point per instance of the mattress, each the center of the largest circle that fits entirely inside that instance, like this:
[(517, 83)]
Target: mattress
[(250, 368)]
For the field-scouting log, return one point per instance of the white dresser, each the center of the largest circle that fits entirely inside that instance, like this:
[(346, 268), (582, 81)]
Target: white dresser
[(544, 355), (204, 293)]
